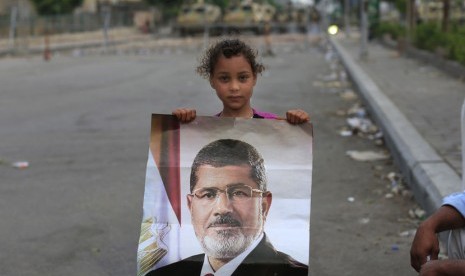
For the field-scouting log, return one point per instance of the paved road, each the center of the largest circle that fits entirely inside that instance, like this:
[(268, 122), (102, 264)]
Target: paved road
[(83, 124)]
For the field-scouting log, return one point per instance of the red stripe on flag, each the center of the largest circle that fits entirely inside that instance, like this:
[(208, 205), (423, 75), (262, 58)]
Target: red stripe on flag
[(166, 147)]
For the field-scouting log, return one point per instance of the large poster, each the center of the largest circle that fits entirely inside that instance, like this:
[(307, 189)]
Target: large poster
[(226, 195)]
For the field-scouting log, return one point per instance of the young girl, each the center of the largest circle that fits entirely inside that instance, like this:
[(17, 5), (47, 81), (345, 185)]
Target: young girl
[(231, 67)]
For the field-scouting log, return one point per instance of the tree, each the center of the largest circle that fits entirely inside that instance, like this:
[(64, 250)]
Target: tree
[(220, 3), (53, 7), (445, 16), (165, 3)]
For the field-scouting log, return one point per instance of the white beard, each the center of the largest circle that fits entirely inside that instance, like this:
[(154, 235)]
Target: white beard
[(228, 245)]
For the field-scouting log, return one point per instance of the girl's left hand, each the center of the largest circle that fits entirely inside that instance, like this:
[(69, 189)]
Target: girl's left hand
[(297, 116)]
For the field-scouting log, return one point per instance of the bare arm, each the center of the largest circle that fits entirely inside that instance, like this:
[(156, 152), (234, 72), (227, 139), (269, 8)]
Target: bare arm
[(426, 243), (443, 268)]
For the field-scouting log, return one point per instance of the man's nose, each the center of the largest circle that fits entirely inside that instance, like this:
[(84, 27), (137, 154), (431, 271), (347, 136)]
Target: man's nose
[(223, 204)]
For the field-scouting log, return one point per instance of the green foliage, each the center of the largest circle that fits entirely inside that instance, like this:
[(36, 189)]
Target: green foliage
[(54, 7), (394, 29), (220, 3), (401, 6), (164, 3), (429, 36), (456, 44)]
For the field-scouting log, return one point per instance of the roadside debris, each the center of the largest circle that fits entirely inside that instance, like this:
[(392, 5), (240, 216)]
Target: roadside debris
[(365, 156), (337, 78), (346, 132), (417, 213), (389, 195), (357, 110), (20, 164), (360, 124), (408, 233), (349, 95)]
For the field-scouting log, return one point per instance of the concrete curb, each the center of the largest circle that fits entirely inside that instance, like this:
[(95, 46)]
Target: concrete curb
[(429, 177)]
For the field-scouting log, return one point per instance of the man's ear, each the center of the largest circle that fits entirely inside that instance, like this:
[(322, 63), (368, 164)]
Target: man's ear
[(266, 203), (189, 201)]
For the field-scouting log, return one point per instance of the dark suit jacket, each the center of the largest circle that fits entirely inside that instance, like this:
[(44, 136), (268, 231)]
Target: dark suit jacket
[(264, 260)]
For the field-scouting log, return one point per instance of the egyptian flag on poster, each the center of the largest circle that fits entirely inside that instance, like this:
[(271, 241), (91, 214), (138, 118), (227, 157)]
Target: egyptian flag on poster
[(160, 229)]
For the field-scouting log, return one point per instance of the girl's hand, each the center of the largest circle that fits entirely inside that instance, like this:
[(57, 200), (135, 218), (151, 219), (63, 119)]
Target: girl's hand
[(297, 116), (184, 115)]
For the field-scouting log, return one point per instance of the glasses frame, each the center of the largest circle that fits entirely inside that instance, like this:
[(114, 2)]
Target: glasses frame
[(220, 191)]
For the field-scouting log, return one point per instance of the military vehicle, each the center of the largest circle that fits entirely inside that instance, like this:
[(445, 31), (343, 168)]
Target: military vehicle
[(298, 16), (248, 15), (195, 17)]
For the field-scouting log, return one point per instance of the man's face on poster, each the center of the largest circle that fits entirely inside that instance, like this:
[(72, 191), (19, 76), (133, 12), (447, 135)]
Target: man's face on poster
[(228, 210)]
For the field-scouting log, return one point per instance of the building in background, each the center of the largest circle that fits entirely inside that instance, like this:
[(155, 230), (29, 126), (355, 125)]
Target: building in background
[(24, 7)]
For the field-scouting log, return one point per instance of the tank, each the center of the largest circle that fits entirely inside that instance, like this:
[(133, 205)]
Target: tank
[(248, 15), (194, 18)]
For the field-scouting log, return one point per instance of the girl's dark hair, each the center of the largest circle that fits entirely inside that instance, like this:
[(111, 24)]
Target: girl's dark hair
[(228, 48)]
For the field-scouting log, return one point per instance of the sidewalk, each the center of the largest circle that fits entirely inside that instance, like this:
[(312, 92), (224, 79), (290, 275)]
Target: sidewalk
[(69, 41), (418, 107)]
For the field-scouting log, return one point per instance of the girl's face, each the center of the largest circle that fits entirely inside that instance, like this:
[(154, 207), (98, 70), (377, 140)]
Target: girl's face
[(233, 81)]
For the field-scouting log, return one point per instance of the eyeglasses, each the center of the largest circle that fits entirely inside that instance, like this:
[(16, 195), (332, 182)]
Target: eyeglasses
[(236, 194)]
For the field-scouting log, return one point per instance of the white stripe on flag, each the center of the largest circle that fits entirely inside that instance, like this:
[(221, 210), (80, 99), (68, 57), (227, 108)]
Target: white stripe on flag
[(165, 228)]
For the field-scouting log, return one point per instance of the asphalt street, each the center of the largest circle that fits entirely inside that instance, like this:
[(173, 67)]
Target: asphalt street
[(82, 121)]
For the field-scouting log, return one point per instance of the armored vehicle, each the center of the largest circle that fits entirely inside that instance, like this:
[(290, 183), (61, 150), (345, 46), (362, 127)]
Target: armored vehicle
[(248, 15), (194, 18)]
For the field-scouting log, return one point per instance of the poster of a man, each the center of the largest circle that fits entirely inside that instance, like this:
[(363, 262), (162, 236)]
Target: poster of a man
[(227, 203)]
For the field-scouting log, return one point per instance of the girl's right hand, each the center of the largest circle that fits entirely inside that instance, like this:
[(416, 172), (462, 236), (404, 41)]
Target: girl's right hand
[(184, 115)]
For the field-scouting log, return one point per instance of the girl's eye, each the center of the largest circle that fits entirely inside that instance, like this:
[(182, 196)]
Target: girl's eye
[(243, 78), (223, 79)]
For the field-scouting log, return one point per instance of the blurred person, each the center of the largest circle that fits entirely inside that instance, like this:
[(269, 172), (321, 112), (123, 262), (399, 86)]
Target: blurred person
[(267, 38), (425, 246)]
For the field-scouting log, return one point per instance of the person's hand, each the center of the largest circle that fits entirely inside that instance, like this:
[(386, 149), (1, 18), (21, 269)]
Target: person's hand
[(432, 268), (443, 268), (425, 243), (297, 116), (185, 115)]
